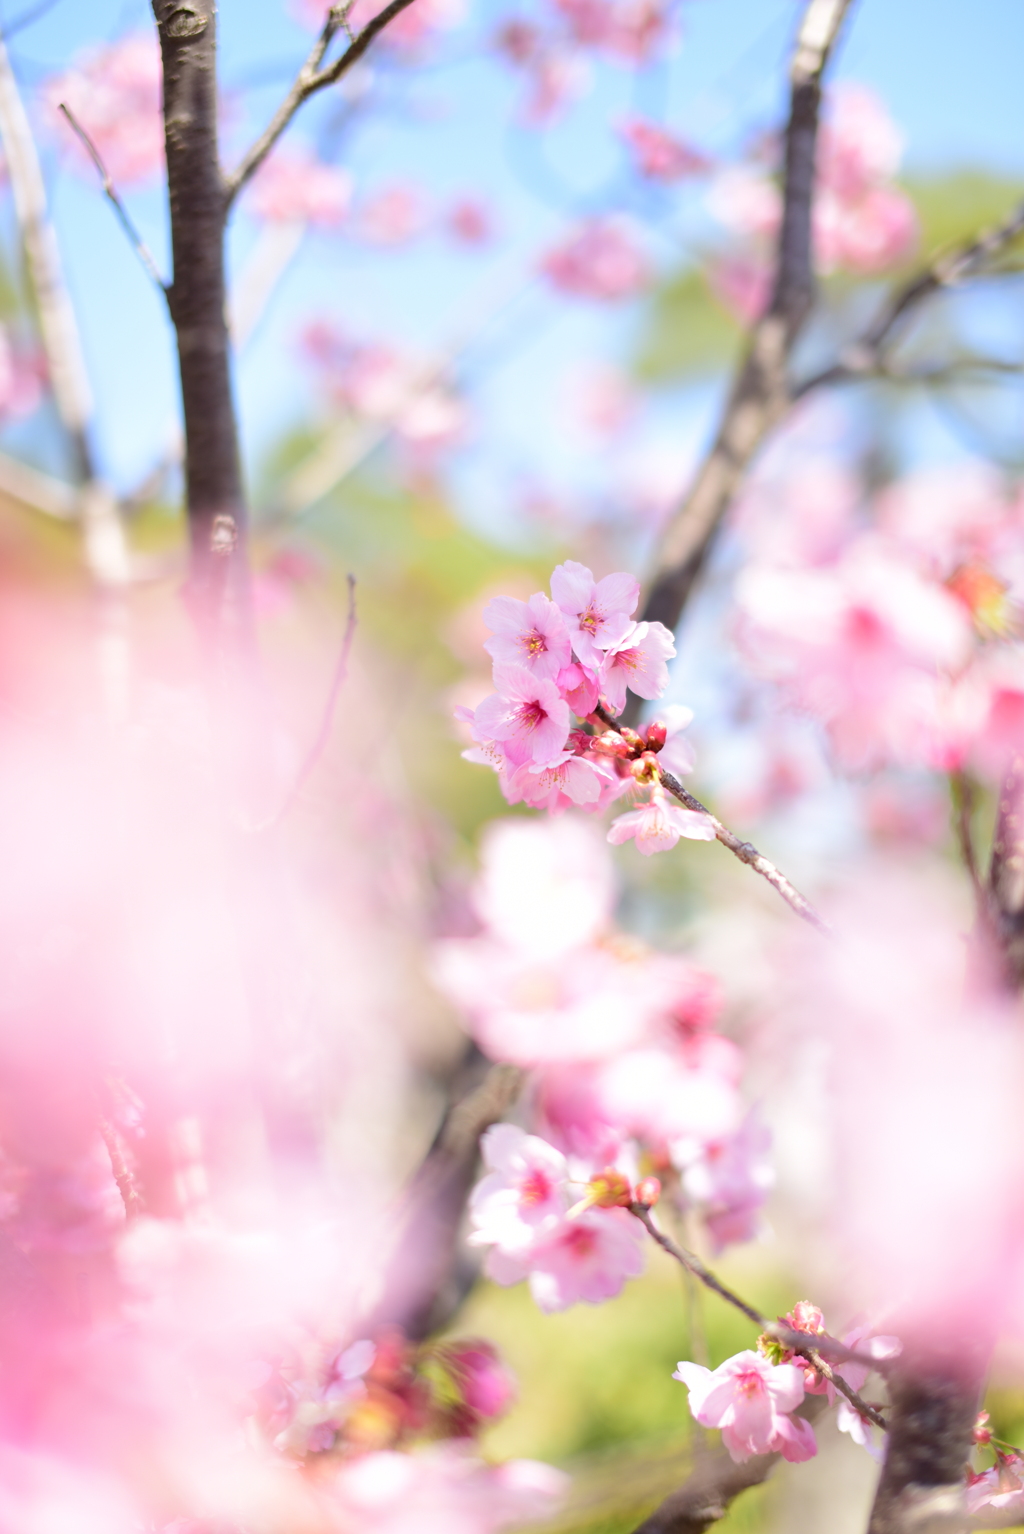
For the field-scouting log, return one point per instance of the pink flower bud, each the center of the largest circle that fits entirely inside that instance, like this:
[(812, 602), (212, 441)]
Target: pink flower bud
[(610, 743), (657, 734), (645, 768), (647, 1192), (631, 737), (982, 1431)]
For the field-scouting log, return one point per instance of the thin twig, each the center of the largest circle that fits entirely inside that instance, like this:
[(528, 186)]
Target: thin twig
[(310, 79), (748, 853), (797, 1341), (745, 851), (323, 735), (141, 248), (126, 1186), (865, 356), (759, 396)]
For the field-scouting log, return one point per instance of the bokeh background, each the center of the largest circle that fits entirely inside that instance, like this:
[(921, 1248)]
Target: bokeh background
[(554, 428)]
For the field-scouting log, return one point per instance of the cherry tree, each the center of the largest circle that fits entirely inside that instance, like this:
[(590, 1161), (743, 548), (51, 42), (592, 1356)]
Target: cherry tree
[(285, 1081)]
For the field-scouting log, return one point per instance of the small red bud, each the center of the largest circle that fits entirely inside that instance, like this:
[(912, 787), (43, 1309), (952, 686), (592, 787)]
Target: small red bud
[(647, 1192), (657, 734), (982, 1431), (631, 737)]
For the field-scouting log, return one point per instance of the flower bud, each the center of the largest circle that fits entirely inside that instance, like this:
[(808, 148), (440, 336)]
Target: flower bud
[(657, 734), (982, 1431), (645, 768), (647, 1192), (610, 743), (631, 738)]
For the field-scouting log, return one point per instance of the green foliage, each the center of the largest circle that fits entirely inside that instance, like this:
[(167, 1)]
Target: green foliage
[(688, 331), (954, 208)]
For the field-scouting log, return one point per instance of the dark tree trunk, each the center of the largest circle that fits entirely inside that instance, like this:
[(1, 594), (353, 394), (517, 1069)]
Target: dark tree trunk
[(218, 587)]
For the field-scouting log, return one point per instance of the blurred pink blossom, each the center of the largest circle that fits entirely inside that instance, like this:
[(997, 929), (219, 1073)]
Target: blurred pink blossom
[(444, 1489), (394, 215), (292, 186), (115, 93), (602, 260), (417, 25), (658, 155)]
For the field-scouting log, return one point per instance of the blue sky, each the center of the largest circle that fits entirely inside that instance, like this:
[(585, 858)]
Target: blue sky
[(949, 73)]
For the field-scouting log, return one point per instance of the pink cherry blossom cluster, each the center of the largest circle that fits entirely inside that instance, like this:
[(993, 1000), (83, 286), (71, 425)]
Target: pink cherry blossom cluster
[(627, 1069), (292, 186), (658, 155), (901, 636), (411, 29), (753, 1395), (552, 53), (1001, 1486), (862, 222), (381, 386), (603, 260), (564, 655), (115, 93)]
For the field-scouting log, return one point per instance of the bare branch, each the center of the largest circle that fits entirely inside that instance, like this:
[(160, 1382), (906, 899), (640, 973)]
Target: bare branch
[(760, 394), (126, 1185), (323, 735), (423, 1286), (310, 79), (865, 356), (139, 244), (745, 851), (748, 853), (714, 1485)]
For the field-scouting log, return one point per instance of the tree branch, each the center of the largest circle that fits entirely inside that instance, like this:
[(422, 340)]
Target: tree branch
[(423, 1286), (138, 243), (866, 355), (218, 577), (748, 853), (760, 394), (797, 1341), (310, 79), (714, 1485)]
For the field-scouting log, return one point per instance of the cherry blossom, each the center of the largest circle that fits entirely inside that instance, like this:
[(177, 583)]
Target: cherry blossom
[(598, 613), (658, 155), (114, 91), (602, 260), (637, 661), (292, 186), (728, 1177), (392, 216), (411, 29), (470, 222), (1001, 1486), (750, 1399), (531, 634), (527, 715), (524, 1193), (848, 1418), (658, 825), (587, 1258), (573, 780)]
